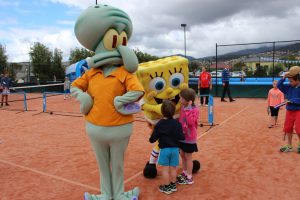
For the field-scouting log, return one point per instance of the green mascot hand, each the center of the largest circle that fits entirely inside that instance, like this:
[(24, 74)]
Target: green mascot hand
[(126, 104), (86, 101)]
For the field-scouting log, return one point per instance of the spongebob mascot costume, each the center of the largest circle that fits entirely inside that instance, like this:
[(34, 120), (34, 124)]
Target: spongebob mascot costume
[(162, 79), (105, 91)]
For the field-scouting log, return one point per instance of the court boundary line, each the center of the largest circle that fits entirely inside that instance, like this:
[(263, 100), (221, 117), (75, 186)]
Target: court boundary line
[(98, 189), (222, 122), (49, 175)]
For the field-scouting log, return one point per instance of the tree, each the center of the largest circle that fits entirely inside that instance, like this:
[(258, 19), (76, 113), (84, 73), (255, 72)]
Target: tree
[(193, 66), (12, 68), (238, 66), (287, 64), (144, 57), (40, 57), (78, 54), (260, 71), (57, 68), (249, 72), (3, 59), (277, 68)]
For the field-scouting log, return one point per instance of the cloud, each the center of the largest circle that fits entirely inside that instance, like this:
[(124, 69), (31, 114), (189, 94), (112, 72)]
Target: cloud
[(76, 3), (19, 47), (157, 28)]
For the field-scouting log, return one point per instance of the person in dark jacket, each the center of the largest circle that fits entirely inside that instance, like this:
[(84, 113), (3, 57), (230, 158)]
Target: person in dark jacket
[(225, 82), (5, 85), (169, 132)]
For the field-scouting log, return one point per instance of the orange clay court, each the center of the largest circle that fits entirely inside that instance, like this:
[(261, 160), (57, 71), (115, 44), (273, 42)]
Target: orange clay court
[(44, 156)]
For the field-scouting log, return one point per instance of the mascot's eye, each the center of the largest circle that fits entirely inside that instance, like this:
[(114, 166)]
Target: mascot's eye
[(176, 79), (158, 84), (122, 39), (111, 39), (115, 39)]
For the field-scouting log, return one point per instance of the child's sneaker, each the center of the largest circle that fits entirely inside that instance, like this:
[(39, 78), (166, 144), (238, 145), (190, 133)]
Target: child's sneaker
[(165, 189), (173, 187), (189, 181), (181, 176), (181, 179), (286, 148)]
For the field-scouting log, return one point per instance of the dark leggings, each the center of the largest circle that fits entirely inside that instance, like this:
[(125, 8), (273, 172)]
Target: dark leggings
[(226, 89), (204, 91)]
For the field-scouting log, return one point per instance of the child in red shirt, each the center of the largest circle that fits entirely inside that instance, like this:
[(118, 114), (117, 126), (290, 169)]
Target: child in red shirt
[(205, 85)]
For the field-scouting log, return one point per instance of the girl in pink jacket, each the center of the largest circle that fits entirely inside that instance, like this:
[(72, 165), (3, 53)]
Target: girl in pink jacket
[(188, 118)]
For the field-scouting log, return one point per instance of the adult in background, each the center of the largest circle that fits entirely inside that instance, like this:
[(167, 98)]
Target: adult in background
[(204, 86), (1, 89), (242, 76), (225, 81), (5, 84), (67, 86)]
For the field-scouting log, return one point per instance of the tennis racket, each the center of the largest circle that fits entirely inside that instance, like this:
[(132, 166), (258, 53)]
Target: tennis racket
[(295, 101)]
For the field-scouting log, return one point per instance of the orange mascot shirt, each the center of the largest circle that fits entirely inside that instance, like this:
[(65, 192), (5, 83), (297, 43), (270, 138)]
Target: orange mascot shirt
[(103, 90)]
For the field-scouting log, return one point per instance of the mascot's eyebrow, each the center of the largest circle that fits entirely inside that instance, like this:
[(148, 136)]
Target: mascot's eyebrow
[(156, 75), (175, 71)]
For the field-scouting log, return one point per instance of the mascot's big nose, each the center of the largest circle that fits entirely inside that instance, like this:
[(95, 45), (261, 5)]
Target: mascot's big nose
[(169, 91), (129, 58)]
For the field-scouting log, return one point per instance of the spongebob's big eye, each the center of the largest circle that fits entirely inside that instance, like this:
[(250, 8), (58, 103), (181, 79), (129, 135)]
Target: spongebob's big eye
[(110, 39), (176, 79), (158, 84)]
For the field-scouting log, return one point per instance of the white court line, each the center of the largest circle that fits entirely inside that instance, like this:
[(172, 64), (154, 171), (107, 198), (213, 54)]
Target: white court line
[(50, 175), (222, 122), (94, 188), (133, 177)]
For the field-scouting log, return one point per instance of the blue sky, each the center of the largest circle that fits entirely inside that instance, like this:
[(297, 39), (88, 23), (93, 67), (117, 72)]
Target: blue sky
[(24, 22), (36, 14), (156, 24)]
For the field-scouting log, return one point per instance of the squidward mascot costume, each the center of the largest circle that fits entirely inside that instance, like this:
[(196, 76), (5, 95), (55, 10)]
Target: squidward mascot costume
[(106, 94)]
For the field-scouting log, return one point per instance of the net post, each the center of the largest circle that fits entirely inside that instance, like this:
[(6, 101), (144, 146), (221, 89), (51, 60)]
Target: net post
[(211, 110), (44, 101), (25, 102)]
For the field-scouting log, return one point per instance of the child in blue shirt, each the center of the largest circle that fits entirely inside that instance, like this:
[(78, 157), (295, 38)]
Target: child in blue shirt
[(292, 118), (169, 132)]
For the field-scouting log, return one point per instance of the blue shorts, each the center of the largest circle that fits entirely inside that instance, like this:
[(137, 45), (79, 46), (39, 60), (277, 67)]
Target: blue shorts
[(169, 157), (67, 91)]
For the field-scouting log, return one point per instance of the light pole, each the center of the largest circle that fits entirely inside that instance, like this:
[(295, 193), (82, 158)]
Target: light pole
[(26, 78), (184, 25)]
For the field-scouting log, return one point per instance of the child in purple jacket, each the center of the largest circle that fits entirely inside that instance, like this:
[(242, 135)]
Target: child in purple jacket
[(188, 118)]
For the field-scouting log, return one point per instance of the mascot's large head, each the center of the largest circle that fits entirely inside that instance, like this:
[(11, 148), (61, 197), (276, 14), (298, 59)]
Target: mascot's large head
[(106, 30), (162, 79)]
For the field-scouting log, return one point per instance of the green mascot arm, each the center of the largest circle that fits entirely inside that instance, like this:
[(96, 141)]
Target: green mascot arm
[(86, 101), (124, 104)]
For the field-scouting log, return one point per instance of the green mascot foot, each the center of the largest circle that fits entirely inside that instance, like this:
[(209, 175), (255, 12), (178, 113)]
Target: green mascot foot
[(88, 196), (130, 195)]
